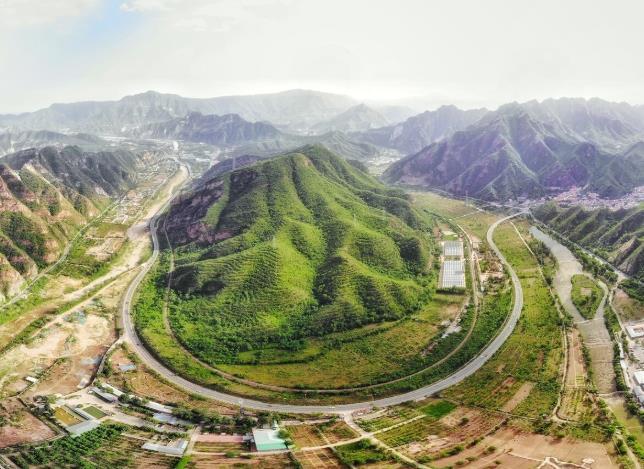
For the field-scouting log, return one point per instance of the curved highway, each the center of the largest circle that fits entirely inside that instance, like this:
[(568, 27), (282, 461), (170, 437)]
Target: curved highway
[(468, 369)]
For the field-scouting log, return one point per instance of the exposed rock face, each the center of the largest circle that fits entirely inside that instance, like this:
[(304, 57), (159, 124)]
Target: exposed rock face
[(512, 153), (45, 196)]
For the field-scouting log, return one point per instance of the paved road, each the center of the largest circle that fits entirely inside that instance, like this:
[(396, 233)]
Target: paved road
[(471, 367)]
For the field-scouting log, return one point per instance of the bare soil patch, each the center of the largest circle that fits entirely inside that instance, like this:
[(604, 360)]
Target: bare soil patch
[(322, 459), (20, 426), (534, 446), (272, 461), (306, 436), (145, 383), (518, 397)]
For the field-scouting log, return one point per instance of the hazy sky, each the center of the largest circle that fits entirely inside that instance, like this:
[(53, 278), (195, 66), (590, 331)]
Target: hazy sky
[(468, 52)]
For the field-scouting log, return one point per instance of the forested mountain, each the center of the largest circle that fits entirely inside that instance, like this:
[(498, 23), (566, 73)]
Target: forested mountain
[(512, 153), (45, 196), (300, 245), (419, 131), (617, 235), (295, 109)]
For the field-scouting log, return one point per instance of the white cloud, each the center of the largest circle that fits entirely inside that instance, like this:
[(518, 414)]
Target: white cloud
[(21, 13)]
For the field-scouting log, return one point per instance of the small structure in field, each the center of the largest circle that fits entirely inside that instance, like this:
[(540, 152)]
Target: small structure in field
[(268, 439), (453, 249), (175, 448), (453, 274), (106, 396), (80, 428), (125, 367), (639, 377)]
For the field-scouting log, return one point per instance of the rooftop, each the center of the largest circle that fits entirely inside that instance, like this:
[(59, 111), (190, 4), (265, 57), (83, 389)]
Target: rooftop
[(267, 439)]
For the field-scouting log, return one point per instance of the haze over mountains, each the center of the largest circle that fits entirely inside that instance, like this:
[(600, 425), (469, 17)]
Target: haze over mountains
[(535, 149), (529, 149)]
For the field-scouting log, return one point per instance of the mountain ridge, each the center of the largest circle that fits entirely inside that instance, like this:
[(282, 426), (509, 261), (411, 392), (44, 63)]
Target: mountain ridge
[(514, 152)]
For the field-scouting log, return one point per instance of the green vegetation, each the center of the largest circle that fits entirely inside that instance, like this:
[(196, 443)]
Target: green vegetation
[(614, 235), (634, 289), (586, 295), (148, 316), (360, 453), (241, 282), (393, 416), (436, 410), (94, 412), (416, 430), (26, 234), (533, 353), (304, 246), (73, 452)]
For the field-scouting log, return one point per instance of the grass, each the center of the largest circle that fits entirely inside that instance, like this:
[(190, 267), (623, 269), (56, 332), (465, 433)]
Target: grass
[(94, 412), (436, 410), (360, 453), (364, 356), (586, 295), (389, 418)]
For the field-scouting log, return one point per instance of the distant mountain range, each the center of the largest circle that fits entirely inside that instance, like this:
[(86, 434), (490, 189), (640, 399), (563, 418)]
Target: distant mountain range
[(354, 119), (295, 109), (419, 131), (535, 149), (46, 195), (11, 142), (239, 136), (226, 130), (530, 149)]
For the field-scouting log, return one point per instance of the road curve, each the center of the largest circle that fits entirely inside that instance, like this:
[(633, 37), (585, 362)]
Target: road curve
[(468, 369)]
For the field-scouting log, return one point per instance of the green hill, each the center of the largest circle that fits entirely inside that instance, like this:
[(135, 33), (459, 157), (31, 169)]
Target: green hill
[(299, 246), (617, 235)]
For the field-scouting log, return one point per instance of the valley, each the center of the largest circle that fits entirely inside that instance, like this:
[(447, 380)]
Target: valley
[(206, 275)]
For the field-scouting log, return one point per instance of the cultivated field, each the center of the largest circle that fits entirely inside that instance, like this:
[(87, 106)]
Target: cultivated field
[(534, 351), (586, 295)]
